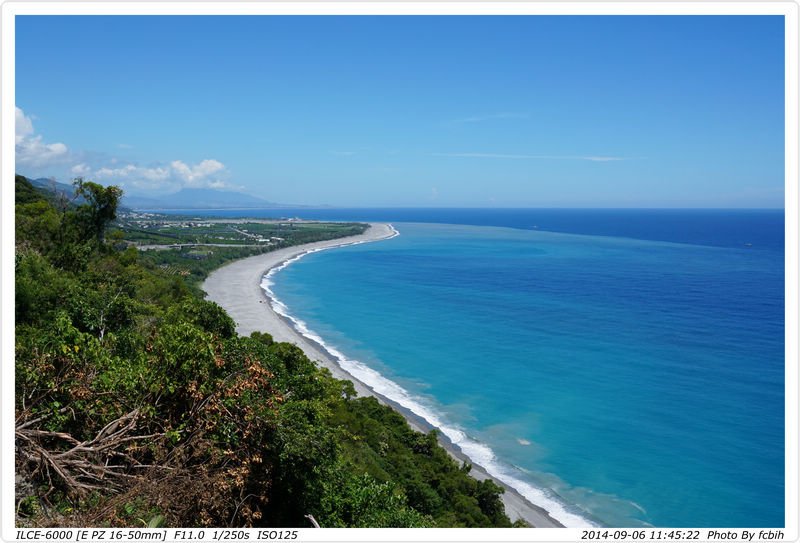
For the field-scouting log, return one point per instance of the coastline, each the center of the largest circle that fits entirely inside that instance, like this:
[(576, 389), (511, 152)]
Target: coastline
[(237, 288)]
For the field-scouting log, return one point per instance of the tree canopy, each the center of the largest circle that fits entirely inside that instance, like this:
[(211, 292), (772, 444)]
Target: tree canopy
[(100, 208)]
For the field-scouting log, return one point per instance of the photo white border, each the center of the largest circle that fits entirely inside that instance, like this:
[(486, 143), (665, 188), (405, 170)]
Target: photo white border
[(789, 9)]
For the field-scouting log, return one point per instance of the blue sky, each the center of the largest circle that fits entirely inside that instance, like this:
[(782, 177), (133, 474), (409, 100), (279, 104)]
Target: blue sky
[(410, 111)]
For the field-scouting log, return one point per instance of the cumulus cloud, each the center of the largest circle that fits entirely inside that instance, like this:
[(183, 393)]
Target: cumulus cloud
[(198, 175), (35, 156), (80, 170), (24, 125), (177, 174), (30, 150)]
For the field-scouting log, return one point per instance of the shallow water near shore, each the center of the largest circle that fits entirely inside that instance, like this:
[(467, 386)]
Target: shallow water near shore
[(635, 382)]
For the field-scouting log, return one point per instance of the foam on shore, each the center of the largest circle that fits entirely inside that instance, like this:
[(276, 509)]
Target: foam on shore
[(478, 453)]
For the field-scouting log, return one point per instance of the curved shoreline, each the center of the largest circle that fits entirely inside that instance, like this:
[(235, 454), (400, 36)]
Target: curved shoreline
[(237, 288)]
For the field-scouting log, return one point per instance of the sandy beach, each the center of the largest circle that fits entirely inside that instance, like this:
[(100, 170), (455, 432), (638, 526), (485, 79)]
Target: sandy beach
[(237, 288)]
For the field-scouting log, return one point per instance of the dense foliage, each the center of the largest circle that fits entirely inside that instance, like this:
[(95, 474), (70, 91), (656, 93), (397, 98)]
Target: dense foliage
[(136, 403)]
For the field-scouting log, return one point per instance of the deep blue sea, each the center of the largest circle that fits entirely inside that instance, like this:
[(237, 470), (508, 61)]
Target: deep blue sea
[(622, 367)]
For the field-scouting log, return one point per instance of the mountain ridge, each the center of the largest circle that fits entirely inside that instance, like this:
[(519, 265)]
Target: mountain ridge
[(198, 198), (185, 198)]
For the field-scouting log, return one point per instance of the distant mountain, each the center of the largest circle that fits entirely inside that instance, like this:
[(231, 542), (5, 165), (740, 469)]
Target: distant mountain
[(141, 202), (183, 199), (198, 199), (53, 188), (59, 194)]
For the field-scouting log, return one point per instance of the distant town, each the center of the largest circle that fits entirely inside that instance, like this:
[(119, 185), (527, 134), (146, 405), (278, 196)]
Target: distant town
[(149, 231)]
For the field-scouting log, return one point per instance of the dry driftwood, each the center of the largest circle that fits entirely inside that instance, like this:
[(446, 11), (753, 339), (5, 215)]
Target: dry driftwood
[(82, 466)]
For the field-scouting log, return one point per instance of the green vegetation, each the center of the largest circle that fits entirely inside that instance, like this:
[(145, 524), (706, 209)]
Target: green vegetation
[(194, 264), (137, 404), (275, 234), (192, 247)]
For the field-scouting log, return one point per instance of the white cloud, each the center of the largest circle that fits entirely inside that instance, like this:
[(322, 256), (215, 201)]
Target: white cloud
[(199, 174), (36, 153), (30, 150), (36, 157), (177, 174), (81, 170), (155, 174), (105, 172), (24, 125)]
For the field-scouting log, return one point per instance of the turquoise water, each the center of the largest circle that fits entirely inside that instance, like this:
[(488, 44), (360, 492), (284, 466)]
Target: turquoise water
[(615, 381)]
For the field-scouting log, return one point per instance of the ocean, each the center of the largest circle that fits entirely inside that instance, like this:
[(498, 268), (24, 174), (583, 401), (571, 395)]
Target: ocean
[(617, 367)]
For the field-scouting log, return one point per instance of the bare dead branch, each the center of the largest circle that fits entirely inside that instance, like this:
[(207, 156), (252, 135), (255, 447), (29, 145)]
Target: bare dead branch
[(87, 463)]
